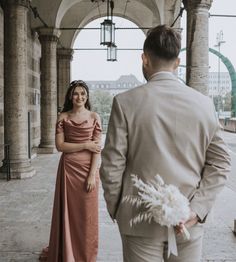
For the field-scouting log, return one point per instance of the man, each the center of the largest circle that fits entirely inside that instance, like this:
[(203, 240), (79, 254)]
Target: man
[(163, 127)]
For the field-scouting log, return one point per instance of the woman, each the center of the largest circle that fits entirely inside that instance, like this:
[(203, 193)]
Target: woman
[(74, 228)]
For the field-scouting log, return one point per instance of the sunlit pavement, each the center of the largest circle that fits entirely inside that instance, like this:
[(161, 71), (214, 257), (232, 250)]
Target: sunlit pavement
[(26, 205)]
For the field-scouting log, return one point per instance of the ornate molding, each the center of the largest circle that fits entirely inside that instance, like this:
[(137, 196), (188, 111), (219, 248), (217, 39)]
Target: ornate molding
[(48, 38), (65, 53), (194, 4), (48, 34)]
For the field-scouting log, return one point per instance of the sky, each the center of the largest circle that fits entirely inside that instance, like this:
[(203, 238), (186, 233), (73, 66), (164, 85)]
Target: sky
[(92, 65)]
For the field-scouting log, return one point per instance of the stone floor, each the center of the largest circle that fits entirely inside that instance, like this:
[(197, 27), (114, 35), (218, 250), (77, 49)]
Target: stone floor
[(25, 213)]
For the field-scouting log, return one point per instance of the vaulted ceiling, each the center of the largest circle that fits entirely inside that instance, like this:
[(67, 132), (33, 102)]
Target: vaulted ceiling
[(78, 13)]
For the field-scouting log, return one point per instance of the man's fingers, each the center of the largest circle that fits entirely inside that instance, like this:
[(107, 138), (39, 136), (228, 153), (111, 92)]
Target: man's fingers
[(179, 228)]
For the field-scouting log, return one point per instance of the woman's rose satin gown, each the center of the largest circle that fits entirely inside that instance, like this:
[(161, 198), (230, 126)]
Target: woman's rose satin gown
[(74, 227)]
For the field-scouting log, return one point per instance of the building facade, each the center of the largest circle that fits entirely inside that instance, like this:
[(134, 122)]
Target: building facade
[(124, 83), (219, 84)]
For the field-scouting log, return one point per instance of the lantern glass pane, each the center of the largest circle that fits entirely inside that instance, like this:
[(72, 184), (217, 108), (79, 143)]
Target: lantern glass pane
[(113, 33), (107, 32), (107, 35), (112, 53)]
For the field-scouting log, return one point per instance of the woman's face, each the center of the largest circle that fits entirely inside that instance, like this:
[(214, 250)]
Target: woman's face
[(79, 96)]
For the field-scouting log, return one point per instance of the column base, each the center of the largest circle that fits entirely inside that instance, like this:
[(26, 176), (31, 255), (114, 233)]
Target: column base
[(19, 169), (46, 150)]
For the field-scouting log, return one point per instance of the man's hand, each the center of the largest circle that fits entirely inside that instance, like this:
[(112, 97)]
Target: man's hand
[(193, 219)]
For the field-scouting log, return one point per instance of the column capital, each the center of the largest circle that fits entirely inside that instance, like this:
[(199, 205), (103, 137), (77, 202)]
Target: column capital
[(48, 34), (193, 4), (65, 53), (25, 3)]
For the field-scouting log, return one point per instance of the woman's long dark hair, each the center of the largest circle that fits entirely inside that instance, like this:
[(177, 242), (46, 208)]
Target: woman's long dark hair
[(68, 104)]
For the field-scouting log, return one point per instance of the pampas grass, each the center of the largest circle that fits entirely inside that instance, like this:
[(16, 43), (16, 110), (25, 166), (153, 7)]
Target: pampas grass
[(164, 204)]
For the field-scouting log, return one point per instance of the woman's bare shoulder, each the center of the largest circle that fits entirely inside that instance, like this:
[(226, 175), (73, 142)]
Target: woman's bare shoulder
[(95, 115), (61, 116)]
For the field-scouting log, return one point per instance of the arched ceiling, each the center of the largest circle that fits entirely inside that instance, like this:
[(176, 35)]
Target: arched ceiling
[(78, 13), (71, 17)]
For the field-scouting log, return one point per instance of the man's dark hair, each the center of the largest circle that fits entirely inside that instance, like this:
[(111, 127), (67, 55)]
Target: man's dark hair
[(162, 42)]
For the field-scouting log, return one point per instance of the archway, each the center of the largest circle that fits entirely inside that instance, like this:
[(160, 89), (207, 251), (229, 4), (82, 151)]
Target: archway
[(90, 58), (106, 79)]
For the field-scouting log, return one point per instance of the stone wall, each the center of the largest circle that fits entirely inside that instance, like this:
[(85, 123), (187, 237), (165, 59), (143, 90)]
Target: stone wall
[(34, 55), (1, 85)]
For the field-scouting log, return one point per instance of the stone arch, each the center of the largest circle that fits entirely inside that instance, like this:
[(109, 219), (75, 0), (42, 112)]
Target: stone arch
[(232, 74), (67, 17), (66, 5), (78, 13)]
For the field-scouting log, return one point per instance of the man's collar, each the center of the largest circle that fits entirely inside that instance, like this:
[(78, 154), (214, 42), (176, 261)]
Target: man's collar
[(162, 75)]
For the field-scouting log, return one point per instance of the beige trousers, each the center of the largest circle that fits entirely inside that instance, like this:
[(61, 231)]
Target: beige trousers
[(142, 249)]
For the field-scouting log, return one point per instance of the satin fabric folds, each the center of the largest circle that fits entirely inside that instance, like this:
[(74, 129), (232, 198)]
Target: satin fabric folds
[(74, 227)]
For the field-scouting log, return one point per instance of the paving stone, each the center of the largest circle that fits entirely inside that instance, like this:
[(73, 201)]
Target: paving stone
[(25, 217)]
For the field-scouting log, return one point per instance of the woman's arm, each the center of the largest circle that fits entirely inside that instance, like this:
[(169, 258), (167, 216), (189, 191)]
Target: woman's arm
[(66, 147), (95, 157)]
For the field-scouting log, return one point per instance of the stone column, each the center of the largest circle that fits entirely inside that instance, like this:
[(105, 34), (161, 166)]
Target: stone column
[(1, 83), (15, 87), (197, 44), (48, 38), (64, 57)]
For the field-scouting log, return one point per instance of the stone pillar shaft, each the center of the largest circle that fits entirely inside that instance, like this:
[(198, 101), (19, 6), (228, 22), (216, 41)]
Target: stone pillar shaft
[(197, 44), (15, 87), (64, 57), (48, 38)]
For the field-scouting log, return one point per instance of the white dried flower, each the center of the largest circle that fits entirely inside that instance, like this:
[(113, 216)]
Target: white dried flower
[(164, 204)]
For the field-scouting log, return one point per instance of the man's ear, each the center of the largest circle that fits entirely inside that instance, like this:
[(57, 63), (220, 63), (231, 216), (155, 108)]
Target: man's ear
[(177, 62), (145, 59)]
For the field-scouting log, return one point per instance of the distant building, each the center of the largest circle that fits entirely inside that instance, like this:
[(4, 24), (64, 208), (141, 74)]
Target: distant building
[(123, 84), (127, 82), (216, 87)]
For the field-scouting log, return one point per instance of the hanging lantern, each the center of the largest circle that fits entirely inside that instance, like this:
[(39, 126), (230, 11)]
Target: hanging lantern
[(112, 52), (107, 32)]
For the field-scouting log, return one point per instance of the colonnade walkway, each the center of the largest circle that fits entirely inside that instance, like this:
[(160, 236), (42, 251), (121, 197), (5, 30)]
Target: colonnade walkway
[(26, 205)]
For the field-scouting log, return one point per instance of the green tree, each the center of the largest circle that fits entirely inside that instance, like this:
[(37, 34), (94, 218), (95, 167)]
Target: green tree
[(101, 102)]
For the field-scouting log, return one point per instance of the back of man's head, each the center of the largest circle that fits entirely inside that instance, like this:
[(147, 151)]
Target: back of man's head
[(163, 43)]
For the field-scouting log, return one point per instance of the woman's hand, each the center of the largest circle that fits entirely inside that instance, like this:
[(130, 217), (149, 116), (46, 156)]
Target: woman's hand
[(91, 183), (94, 146)]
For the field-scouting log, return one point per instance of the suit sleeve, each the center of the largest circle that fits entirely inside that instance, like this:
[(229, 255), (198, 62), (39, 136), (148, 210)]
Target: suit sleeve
[(214, 175), (114, 158)]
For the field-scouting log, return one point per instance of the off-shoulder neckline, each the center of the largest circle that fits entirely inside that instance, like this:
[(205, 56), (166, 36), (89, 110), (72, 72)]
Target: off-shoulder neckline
[(75, 122)]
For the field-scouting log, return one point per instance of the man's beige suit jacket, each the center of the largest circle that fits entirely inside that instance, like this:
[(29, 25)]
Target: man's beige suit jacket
[(163, 127)]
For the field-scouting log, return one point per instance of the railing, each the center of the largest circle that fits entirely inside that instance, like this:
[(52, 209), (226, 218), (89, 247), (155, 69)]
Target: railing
[(229, 124)]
